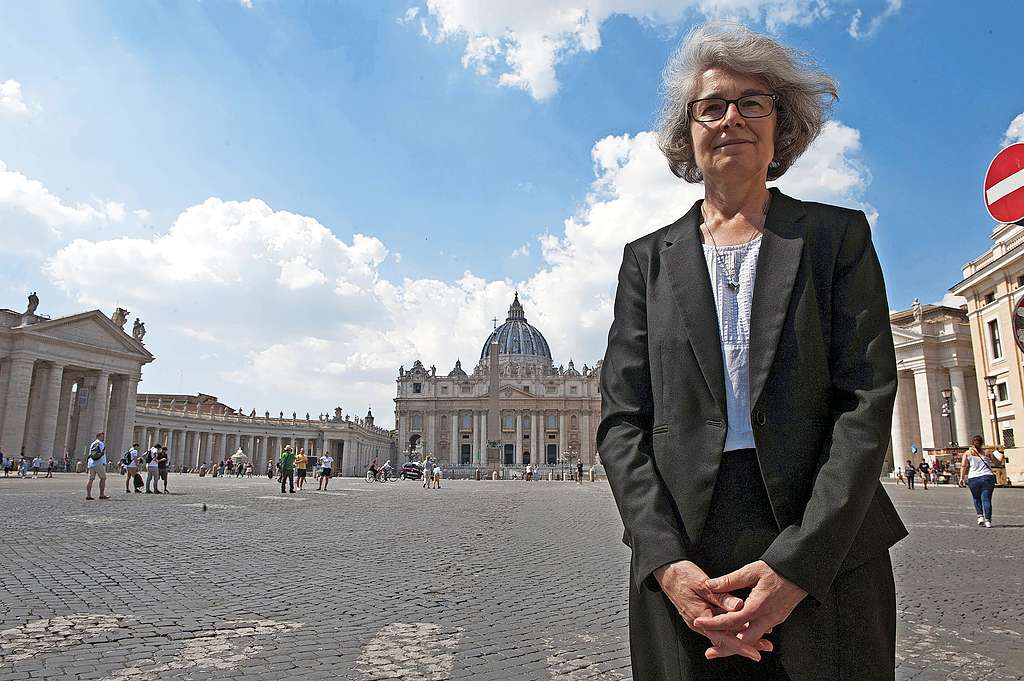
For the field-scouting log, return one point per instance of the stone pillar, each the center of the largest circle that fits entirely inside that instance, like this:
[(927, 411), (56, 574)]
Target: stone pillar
[(563, 435), (115, 422), (34, 413), (456, 440), (961, 408), (536, 438), (131, 390), (5, 370), (60, 439), (52, 406), (518, 449), (929, 400), (19, 382), (476, 438), (98, 404)]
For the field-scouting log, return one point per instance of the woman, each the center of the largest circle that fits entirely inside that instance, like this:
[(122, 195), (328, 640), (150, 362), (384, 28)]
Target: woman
[(300, 468), (747, 394), (976, 473)]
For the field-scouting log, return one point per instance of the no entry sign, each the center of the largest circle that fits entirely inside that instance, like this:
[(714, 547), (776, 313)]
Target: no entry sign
[(1004, 185)]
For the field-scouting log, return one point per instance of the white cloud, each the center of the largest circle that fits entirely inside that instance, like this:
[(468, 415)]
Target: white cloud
[(525, 40), (409, 15), (522, 251), (10, 97), (950, 300), (892, 8), (246, 3), (1014, 133)]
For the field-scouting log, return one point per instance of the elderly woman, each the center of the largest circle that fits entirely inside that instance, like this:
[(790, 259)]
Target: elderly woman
[(747, 393)]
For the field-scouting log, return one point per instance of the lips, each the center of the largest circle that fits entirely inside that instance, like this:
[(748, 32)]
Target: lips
[(729, 143)]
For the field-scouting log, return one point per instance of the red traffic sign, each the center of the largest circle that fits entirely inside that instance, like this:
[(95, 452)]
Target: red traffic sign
[(1018, 323), (1004, 185)]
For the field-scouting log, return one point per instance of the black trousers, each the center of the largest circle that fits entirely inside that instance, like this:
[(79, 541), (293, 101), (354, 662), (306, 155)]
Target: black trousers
[(289, 476), (851, 637)]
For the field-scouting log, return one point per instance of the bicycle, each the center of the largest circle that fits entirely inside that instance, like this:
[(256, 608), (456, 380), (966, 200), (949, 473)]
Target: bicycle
[(383, 475)]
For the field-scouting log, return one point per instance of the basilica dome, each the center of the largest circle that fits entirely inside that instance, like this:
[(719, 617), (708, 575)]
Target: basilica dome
[(517, 337)]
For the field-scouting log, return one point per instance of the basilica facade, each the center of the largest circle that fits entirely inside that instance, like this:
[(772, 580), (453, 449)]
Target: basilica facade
[(515, 408)]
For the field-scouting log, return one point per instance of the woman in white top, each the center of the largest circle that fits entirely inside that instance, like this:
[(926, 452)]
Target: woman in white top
[(976, 474)]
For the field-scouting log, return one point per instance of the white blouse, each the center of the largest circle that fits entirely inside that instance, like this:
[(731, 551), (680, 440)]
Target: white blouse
[(734, 328)]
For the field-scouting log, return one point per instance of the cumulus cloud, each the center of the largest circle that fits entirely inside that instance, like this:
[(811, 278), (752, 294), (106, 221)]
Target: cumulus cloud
[(892, 8), (11, 99), (523, 41), (1014, 133)]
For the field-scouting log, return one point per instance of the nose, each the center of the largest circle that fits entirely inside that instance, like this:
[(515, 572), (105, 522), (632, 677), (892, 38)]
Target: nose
[(732, 116)]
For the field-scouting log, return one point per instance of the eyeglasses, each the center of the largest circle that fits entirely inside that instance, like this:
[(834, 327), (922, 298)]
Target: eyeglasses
[(748, 106)]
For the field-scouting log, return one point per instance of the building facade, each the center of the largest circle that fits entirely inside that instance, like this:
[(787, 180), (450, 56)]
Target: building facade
[(937, 402), (993, 283), (515, 408)]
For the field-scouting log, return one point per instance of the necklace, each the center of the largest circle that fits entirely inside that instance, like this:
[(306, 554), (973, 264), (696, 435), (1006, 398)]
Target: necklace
[(732, 278)]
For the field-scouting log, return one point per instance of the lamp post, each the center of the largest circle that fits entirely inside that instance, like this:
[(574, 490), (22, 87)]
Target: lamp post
[(990, 381), (948, 413)]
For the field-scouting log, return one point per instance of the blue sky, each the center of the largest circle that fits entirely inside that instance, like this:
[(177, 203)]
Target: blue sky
[(299, 197)]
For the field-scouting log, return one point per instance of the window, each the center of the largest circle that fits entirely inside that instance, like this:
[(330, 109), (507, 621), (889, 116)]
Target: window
[(550, 389), (508, 421), (510, 455), (466, 388), (465, 454), (526, 388), (551, 421), (1020, 280), (993, 334), (417, 388), (526, 458), (573, 424), (417, 422), (526, 423), (444, 423), (990, 297), (444, 390), (572, 390), (1008, 440), (465, 422), (552, 454), (1002, 394)]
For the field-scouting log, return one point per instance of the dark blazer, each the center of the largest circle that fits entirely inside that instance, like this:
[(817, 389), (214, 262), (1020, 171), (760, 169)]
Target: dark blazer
[(822, 386)]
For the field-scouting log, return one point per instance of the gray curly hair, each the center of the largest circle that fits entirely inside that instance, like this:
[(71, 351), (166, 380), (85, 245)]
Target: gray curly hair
[(804, 92)]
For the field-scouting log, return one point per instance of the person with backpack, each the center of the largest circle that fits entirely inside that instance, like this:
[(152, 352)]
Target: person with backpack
[(287, 462), (977, 475), (161, 467), (910, 471), (130, 461), (152, 469), (97, 464)]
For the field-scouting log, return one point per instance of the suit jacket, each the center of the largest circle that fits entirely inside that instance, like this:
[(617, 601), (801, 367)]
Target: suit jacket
[(822, 385)]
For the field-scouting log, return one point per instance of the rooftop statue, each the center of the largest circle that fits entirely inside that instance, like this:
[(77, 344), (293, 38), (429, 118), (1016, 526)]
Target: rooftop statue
[(33, 303), (138, 330), (120, 317)]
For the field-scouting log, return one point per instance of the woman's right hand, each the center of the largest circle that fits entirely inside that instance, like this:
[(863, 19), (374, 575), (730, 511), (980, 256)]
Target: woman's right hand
[(685, 584)]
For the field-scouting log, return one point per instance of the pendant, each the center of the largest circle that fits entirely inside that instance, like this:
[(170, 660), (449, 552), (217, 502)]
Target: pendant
[(734, 285)]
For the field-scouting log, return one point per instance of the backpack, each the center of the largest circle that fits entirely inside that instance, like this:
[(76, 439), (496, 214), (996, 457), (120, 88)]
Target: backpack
[(126, 458), (149, 456)]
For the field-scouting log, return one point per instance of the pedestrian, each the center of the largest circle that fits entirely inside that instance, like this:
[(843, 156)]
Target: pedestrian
[(37, 463), (529, 473), (976, 474), (97, 465), (161, 467), (49, 467), (131, 467), (437, 476), (747, 393), (900, 480), (270, 470), (428, 472), (300, 468), (153, 468), (326, 470), (7, 463), (23, 467), (287, 463), (926, 472), (910, 471), (579, 471)]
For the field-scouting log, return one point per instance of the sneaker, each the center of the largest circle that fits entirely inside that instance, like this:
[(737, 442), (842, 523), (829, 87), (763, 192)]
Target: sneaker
[(156, 492), (981, 520), (988, 523), (89, 499)]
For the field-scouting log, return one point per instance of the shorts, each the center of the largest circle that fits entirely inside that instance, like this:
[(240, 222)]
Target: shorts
[(101, 471), (300, 472), (325, 473), (163, 474)]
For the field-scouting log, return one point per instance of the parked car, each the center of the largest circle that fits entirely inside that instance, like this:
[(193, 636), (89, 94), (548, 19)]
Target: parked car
[(412, 470)]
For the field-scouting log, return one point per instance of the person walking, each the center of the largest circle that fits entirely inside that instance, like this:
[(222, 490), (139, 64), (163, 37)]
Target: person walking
[(326, 466), (428, 473), (976, 474), (926, 471), (7, 463), (300, 468), (579, 471), (152, 469), (131, 467), (437, 476), (37, 463), (287, 463), (49, 467), (910, 471), (161, 467), (97, 465), (747, 393)]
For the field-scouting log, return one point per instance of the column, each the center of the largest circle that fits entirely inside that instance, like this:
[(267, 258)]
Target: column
[(60, 440), (115, 422), (51, 410), (563, 434), (203, 455), (430, 436), (476, 437), (130, 388), (98, 404), (518, 416), (928, 408), (5, 369), (536, 441), (138, 434), (961, 410), (456, 440), (34, 413), (216, 448), (18, 384)]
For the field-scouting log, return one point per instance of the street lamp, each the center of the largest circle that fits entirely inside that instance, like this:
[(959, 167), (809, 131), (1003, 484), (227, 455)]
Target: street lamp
[(948, 413), (990, 381)]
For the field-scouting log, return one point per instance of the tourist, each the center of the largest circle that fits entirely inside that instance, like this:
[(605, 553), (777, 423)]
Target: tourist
[(37, 463), (977, 475), (529, 472), (49, 467), (287, 463), (428, 473), (910, 471), (300, 468), (161, 467), (326, 466), (131, 466), (7, 463), (925, 472), (270, 470), (900, 480), (579, 471), (437, 476), (97, 465), (153, 468), (23, 467), (752, 334)]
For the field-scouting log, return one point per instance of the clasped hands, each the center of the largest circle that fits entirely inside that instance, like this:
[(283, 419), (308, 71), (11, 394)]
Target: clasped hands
[(734, 626)]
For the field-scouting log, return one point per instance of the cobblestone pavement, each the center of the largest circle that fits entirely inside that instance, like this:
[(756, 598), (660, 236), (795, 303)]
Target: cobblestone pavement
[(479, 580)]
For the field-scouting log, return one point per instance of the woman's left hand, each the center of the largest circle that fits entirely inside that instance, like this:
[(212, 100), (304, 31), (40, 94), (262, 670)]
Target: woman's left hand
[(771, 600)]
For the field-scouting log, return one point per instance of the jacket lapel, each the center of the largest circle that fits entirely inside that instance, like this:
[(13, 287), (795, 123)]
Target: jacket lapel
[(687, 272), (777, 264)]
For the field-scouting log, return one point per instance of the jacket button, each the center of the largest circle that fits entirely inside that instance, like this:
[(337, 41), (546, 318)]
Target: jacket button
[(760, 418)]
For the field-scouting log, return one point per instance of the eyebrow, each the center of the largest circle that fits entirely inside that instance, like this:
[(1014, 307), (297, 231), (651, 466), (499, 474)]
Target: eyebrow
[(748, 91)]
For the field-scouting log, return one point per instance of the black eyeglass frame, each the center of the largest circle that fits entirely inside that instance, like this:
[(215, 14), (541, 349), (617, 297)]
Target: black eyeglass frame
[(689, 106)]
